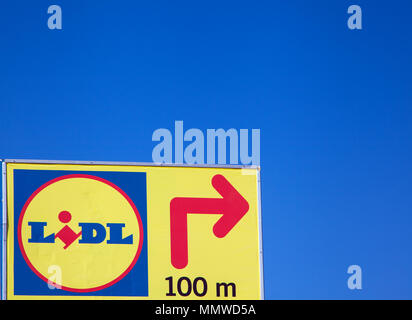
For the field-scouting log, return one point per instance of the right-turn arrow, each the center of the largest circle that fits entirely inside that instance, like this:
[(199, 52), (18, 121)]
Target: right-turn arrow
[(232, 206)]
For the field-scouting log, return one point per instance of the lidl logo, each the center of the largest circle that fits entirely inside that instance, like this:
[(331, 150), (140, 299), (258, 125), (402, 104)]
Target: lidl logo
[(85, 224), (91, 232)]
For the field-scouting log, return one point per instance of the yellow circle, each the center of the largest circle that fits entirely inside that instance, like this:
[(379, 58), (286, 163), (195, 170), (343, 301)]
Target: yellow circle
[(84, 267)]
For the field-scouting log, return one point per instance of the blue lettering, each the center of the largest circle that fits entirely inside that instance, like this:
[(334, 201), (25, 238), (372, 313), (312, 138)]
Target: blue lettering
[(37, 233), (116, 234), (88, 235)]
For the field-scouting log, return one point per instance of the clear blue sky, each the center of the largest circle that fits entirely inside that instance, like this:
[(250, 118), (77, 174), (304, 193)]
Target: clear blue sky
[(334, 107)]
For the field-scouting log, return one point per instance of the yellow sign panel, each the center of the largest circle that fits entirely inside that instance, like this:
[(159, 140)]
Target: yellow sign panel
[(118, 231)]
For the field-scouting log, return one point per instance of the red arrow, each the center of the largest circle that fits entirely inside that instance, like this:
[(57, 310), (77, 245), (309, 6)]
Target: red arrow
[(232, 206)]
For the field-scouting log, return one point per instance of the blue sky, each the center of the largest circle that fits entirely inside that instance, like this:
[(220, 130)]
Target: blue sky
[(333, 106)]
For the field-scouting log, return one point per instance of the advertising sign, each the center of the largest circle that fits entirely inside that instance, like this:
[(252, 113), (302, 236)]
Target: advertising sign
[(88, 230)]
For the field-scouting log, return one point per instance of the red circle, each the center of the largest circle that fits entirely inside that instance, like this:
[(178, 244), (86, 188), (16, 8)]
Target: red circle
[(65, 216), (139, 220)]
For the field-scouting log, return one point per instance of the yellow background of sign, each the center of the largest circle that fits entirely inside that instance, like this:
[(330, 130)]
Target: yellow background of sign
[(233, 259)]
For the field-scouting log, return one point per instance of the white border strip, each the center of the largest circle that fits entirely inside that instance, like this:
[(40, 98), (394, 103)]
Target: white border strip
[(4, 233), (140, 164)]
